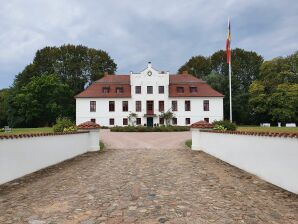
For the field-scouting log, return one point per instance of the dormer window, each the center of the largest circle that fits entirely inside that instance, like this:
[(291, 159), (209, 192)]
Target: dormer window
[(106, 89), (119, 90), (193, 89), (180, 89)]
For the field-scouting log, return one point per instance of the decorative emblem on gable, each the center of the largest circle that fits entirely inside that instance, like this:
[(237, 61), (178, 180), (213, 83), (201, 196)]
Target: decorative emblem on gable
[(149, 73)]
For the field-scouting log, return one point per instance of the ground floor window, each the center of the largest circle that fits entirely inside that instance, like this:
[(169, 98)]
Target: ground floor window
[(139, 121), (93, 120), (174, 121), (161, 120), (125, 121), (206, 119), (187, 120), (112, 121)]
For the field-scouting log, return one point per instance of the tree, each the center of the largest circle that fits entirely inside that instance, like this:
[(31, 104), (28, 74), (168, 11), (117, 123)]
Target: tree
[(40, 102), (132, 118), (77, 66), (198, 66), (167, 116), (4, 95)]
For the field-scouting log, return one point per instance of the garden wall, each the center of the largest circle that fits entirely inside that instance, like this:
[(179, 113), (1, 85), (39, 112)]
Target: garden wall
[(26, 153), (272, 157)]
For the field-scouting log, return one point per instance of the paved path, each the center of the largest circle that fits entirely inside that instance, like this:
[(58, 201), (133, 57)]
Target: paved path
[(145, 178)]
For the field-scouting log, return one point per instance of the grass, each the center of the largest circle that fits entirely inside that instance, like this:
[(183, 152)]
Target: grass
[(28, 130), (266, 129), (188, 143), (101, 145)]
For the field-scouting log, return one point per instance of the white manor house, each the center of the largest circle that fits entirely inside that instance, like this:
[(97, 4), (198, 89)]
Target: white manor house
[(110, 100)]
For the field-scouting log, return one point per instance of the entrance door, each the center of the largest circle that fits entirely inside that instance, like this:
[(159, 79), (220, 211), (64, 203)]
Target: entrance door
[(149, 121)]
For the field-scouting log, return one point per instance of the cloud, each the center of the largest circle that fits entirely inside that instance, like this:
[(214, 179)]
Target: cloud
[(133, 32)]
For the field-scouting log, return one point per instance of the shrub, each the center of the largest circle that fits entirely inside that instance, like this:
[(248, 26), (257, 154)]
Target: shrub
[(188, 143), (70, 129), (1, 129), (150, 129), (219, 127), (226, 124), (62, 123)]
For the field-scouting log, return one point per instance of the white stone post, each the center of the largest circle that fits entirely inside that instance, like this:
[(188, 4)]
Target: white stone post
[(94, 136), (196, 138)]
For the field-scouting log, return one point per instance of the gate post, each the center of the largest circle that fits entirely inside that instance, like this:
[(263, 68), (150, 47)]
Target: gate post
[(94, 136), (196, 135)]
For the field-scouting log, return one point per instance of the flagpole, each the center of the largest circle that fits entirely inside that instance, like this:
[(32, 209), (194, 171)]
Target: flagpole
[(230, 73)]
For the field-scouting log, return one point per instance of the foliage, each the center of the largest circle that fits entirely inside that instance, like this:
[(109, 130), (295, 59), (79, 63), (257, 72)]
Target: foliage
[(4, 95), (39, 102), (274, 96), (62, 124), (150, 129), (1, 129), (188, 143), (132, 118), (167, 116), (225, 124), (198, 66), (219, 128), (101, 145), (70, 129)]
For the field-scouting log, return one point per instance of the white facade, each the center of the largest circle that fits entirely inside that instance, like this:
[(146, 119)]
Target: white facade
[(154, 78)]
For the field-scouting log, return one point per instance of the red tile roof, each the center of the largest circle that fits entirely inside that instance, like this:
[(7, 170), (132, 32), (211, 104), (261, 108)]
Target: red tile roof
[(115, 79), (88, 125), (202, 125)]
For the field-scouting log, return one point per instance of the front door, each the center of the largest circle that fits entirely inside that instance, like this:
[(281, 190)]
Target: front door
[(149, 121)]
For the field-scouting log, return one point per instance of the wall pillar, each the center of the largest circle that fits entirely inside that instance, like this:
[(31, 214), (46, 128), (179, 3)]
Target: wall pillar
[(94, 136)]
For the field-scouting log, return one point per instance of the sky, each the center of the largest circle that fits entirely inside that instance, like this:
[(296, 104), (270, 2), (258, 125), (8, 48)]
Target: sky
[(133, 32)]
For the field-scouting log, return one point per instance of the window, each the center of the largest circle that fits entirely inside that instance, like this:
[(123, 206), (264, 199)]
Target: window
[(187, 120), (174, 120), (206, 119), (92, 106), (112, 121), (93, 120), (111, 106), (161, 120), (138, 106), (180, 89), (138, 89), (124, 105), (149, 89), (193, 89), (119, 90), (106, 89), (174, 105), (125, 121), (139, 121), (161, 106), (206, 105), (187, 105), (161, 89)]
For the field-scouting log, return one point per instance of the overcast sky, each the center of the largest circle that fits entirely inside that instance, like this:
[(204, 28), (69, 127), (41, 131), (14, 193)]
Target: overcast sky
[(133, 32)]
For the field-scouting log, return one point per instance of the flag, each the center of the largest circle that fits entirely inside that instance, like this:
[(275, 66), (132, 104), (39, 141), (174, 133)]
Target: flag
[(228, 43)]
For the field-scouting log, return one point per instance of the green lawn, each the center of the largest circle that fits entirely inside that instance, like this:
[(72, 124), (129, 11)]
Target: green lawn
[(266, 129), (28, 130)]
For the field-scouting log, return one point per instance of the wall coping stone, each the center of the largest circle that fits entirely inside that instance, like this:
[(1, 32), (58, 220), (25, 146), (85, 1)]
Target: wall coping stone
[(30, 135), (268, 134)]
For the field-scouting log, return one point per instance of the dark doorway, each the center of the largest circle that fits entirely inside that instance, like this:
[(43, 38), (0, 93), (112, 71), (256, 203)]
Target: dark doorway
[(149, 121)]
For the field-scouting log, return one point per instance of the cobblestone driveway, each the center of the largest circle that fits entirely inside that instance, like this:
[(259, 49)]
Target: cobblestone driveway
[(145, 178)]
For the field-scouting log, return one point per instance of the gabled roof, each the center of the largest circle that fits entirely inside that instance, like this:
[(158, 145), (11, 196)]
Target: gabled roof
[(184, 78), (125, 79)]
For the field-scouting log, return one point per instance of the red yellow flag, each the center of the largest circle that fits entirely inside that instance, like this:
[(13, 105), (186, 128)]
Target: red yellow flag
[(228, 44)]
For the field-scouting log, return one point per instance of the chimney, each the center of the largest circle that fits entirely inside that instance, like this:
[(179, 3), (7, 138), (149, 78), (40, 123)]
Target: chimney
[(106, 74), (185, 72)]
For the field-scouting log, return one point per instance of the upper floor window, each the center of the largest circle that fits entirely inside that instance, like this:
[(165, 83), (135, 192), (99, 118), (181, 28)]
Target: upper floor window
[(193, 89), (180, 89), (161, 106), (187, 105), (161, 89), (206, 105), (106, 89), (138, 106), (174, 105), (124, 105), (119, 90), (138, 89), (111, 106), (92, 106), (149, 89)]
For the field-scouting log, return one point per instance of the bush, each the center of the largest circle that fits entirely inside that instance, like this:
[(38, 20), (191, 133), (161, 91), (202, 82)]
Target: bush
[(225, 124), (62, 123), (1, 129), (219, 127), (70, 129), (150, 129)]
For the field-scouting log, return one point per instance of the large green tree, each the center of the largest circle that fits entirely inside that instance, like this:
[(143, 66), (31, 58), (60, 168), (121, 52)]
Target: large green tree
[(76, 65), (214, 70), (4, 95), (40, 102)]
